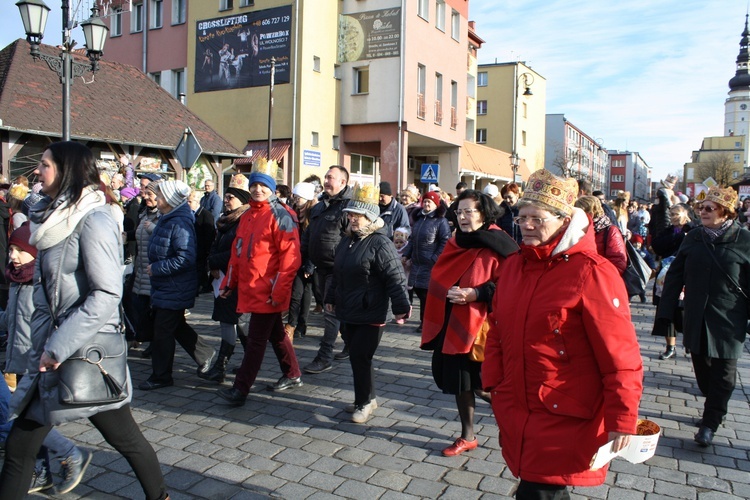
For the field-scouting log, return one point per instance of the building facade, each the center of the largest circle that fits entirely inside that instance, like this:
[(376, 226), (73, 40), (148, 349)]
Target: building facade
[(628, 171), (570, 152), (511, 109)]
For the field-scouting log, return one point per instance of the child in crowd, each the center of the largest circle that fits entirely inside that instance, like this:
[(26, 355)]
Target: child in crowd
[(17, 320), (400, 239)]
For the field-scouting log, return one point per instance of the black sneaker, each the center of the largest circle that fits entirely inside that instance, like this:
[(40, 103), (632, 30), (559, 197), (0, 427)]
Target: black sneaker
[(285, 383), (344, 354), (318, 366), (72, 471), (41, 480), (232, 396)]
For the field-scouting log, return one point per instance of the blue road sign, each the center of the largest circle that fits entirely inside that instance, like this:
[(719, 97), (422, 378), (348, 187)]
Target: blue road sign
[(430, 172)]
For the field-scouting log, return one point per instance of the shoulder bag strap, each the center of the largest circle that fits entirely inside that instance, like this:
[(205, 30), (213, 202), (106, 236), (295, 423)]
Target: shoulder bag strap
[(721, 268)]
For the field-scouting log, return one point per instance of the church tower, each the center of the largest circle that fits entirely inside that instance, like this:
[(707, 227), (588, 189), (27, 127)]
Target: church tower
[(737, 105)]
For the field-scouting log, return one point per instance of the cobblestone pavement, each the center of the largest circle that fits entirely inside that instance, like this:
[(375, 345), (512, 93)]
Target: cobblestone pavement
[(301, 444)]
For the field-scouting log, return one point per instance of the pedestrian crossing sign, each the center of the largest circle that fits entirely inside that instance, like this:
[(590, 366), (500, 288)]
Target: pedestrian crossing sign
[(430, 172)]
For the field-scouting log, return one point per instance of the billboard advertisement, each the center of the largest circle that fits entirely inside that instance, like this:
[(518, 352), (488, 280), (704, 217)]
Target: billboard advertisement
[(235, 52), (369, 35)]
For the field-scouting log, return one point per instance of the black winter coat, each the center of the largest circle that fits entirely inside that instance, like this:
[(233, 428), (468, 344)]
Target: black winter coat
[(710, 297), (328, 222), (366, 274), (225, 310)]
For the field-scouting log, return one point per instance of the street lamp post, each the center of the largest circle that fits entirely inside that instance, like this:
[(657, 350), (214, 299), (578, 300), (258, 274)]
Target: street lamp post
[(528, 81), (34, 17)]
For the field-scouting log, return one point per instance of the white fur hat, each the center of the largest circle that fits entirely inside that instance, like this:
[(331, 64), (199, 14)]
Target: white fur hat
[(305, 190)]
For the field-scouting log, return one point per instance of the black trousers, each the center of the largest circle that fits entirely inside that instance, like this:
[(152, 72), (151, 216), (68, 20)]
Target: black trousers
[(422, 296), (170, 326), (541, 491), (716, 379), (363, 342), (116, 426), (299, 307)]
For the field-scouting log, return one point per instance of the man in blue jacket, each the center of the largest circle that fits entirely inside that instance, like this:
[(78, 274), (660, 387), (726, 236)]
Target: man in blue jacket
[(392, 212), (211, 200)]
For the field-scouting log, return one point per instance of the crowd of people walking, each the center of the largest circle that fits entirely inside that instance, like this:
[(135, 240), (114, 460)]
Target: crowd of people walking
[(522, 302)]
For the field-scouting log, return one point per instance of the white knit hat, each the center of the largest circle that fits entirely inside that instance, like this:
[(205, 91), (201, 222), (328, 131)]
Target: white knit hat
[(305, 190), (174, 192)]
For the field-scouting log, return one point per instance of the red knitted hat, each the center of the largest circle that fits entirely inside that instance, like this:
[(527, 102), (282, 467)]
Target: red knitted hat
[(434, 196), (20, 238)]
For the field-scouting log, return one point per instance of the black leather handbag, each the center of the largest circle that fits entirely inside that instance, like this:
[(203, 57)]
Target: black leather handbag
[(96, 373)]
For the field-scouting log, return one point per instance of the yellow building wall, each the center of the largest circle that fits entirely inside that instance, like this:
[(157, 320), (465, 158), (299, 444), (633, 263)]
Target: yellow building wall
[(531, 111), (711, 148), (241, 115)]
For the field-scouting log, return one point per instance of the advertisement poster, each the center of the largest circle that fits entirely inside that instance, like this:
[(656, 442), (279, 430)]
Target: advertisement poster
[(235, 52), (369, 35)]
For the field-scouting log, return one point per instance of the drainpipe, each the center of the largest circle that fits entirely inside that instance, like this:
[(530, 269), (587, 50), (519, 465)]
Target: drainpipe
[(145, 36), (399, 187), (295, 83)]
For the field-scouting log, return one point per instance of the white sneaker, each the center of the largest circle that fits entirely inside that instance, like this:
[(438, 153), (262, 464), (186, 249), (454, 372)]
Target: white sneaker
[(350, 408), (362, 413)]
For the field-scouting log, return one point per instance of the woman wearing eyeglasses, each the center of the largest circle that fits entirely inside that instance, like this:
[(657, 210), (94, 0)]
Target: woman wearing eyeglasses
[(461, 288), (562, 361), (236, 203), (712, 265), (665, 244)]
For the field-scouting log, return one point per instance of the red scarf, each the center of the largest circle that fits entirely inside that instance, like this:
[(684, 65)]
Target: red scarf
[(467, 267)]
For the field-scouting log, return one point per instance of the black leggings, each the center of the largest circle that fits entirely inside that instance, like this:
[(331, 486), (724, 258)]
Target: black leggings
[(116, 426)]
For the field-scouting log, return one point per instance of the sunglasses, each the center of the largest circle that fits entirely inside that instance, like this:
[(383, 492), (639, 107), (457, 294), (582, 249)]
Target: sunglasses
[(708, 209)]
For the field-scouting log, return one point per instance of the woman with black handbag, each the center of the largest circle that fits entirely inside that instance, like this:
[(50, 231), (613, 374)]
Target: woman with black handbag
[(76, 299), (712, 265)]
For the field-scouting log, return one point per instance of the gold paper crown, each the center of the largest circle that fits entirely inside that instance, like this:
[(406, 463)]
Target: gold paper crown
[(726, 197), (263, 166), (366, 193), (239, 181), (18, 191), (555, 191)]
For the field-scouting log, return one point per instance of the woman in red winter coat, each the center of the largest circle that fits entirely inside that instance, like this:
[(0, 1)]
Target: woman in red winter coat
[(609, 240), (562, 361)]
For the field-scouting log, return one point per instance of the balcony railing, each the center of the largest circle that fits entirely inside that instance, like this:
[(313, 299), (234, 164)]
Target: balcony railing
[(420, 106), (438, 113)]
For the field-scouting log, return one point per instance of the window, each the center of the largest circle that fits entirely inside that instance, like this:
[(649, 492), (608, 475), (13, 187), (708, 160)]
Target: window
[(482, 79), (225, 5), (337, 71), (155, 13), (316, 64), (136, 18), (156, 77), (737, 144), (424, 9), (314, 139), (523, 137), (335, 142), (618, 178), (736, 158), (455, 25), (481, 107), (525, 110), (362, 80), (116, 23), (178, 83), (362, 165), (421, 84), (613, 193), (440, 15), (735, 174), (179, 11), (481, 136), (246, 3)]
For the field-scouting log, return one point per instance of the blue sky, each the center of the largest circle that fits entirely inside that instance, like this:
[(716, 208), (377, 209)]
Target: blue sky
[(641, 75)]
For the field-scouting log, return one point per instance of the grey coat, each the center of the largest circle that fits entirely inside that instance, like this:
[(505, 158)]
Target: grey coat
[(16, 320), (82, 277), (141, 280)]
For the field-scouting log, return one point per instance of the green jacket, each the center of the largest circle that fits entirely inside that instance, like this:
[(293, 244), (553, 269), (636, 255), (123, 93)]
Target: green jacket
[(712, 302)]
